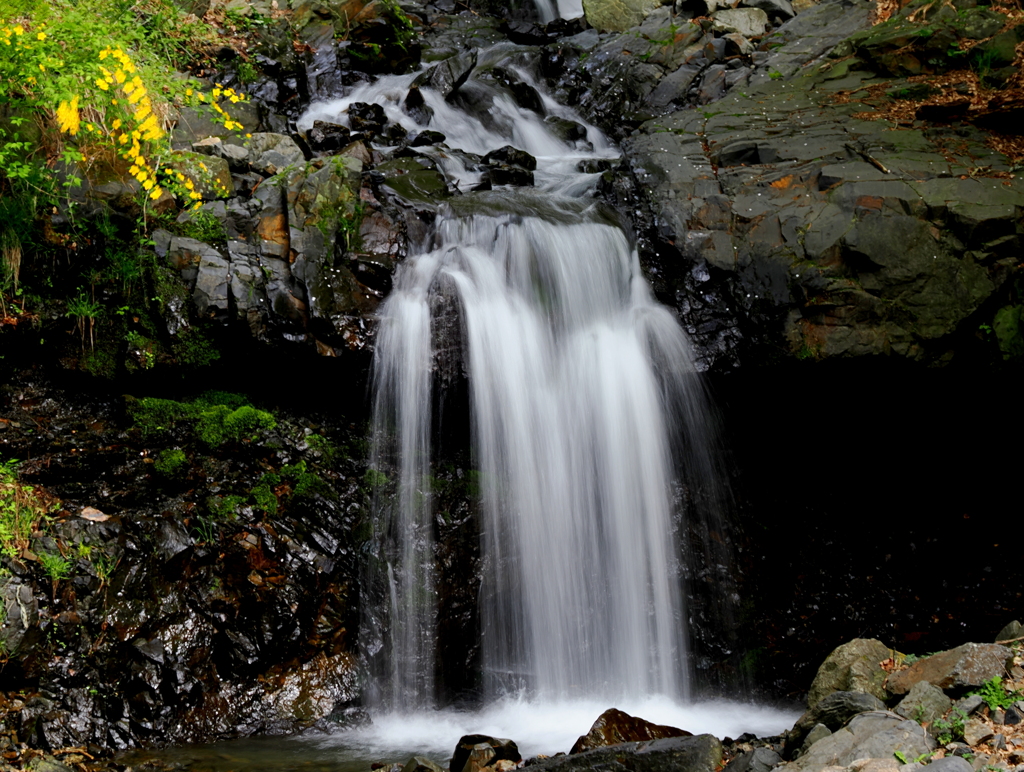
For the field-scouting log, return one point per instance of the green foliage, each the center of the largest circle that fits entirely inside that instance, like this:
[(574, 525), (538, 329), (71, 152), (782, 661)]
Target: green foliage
[(323, 447), (374, 479), (202, 225), (154, 415), (949, 727), (219, 424), (191, 347), (307, 484), (55, 566), (996, 695), (263, 494), (21, 509), (171, 463), (225, 507)]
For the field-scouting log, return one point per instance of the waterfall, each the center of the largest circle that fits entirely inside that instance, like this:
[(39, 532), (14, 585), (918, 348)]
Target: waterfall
[(584, 407)]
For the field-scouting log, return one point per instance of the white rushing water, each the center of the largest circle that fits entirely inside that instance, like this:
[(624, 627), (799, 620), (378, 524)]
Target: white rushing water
[(584, 402)]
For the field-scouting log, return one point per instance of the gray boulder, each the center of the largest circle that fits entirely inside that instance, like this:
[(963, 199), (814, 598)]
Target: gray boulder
[(853, 667), (748, 22), (873, 735), (757, 760), (700, 753), (924, 703), (833, 712)]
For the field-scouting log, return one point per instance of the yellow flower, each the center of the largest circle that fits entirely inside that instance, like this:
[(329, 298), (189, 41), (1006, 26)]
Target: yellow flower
[(119, 76), (189, 185), (188, 92), (42, 68), (137, 81), (104, 54), (234, 100), (142, 112), (128, 87), (102, 84), (41, 36), (133, 170), (116, 124), (148, 184), (142, 175), (136, 95), (67, 116), (123, 139), (156, 193), (149, 124), (216, 93), (19, 30)]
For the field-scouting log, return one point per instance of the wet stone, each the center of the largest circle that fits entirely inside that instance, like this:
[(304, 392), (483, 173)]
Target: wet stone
[(327, 137), (511, 156)]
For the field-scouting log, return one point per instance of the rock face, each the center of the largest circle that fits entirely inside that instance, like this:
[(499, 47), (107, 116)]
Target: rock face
[(614, 726), (853, 667), (699, 753), (924, 703), (964, 667)]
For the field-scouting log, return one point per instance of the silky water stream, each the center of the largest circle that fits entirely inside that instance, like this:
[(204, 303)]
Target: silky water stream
[(585, 414)]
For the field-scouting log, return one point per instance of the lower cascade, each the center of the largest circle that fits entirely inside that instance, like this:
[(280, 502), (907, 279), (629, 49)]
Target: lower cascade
[(584, 407)]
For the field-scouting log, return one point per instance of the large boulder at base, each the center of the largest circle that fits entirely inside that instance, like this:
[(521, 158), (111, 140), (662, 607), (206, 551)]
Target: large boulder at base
[(949, 764), (700, 753), (853, 667), (615, 726), (875, 735), (834, 711), (475, 752), (964, 667)]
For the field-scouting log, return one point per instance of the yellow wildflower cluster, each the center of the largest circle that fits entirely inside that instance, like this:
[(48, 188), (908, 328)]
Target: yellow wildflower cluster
[(218, 93)]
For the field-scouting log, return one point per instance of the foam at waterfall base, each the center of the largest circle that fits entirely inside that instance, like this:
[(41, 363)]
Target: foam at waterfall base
[(550, 727)]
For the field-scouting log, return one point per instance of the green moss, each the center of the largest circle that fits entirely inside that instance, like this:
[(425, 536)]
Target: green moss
[(307, 484), (322, 447), (153, 415), (374, 479), (220, 424), (192, 348), (225, 507), (171, 463), (265, 499), (101, 362)]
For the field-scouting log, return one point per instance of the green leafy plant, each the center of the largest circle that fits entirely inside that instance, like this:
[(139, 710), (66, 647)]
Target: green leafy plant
[(949, 727), (996, 695), (57, 567), (21, 510)]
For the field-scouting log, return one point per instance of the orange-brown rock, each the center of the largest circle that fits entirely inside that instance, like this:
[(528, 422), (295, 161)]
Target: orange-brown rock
[(615, 726)]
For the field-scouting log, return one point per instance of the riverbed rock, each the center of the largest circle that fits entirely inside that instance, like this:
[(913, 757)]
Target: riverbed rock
[(756, 760), (833, 712), (924, 703), (698, 753), (615, 726), (964, 667), (872, 735)]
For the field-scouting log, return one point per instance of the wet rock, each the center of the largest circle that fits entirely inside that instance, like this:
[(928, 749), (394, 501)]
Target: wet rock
[(699, 753), (427, 138), (833, 711), (853, 667), (448, 76), (511, 156), (475, 752), (966, 666), (367, 118), (924, 703), (615, 726), (327, 137), (417, 107)]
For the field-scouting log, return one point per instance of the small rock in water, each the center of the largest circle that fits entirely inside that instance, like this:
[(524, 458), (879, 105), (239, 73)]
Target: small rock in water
[(475, 752), (421, 764)]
